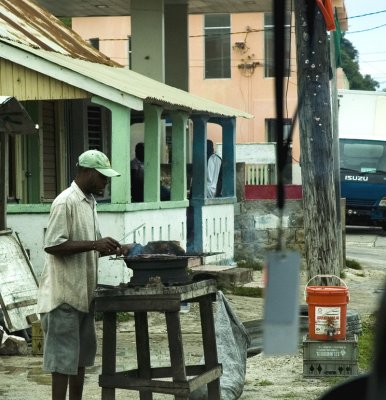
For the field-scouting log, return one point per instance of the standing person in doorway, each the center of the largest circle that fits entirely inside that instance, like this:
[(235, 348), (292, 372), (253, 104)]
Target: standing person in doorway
[(137, 173), (73, 244), (214, 176)]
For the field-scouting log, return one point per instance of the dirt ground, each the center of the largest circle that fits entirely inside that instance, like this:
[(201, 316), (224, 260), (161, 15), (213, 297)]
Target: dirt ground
[(21, 377)]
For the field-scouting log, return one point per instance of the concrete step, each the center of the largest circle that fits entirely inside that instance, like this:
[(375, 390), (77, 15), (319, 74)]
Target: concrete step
[(226, 275)]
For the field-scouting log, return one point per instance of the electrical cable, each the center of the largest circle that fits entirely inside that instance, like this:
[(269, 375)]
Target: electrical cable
[(279, 44)]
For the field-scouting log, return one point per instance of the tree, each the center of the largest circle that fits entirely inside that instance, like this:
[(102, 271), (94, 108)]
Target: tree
[(320, 215), (349, 61)]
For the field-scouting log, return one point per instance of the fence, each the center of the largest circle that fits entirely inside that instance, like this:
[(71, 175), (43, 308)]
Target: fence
[(260, 174)]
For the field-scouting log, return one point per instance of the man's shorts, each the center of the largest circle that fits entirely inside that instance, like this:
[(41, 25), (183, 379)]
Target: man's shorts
[(69, 340)]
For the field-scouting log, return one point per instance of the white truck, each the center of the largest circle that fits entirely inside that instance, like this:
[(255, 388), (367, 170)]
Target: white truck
[(362, 148)]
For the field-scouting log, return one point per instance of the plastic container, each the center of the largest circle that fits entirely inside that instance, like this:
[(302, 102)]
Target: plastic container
[(37, 338), (337, 350), (327, 309)]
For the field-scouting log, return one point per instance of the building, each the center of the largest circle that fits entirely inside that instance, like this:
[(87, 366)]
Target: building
[(82, 99), (230, 60)]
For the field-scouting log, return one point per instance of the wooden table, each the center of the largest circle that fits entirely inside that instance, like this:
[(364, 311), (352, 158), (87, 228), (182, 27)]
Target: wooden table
[(147, 380)]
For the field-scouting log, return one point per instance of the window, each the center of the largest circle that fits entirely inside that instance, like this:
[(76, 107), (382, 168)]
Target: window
[(94, 42), (217, 46), (95, 128), (50, 149), (271, 129), (129, 51), (269, 62), (271, 134)]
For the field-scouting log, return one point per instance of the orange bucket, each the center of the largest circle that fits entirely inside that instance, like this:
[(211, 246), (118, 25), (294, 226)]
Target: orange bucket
[(327, 309)]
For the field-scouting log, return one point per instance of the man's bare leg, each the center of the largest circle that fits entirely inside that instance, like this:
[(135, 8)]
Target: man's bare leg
[(59, 386), (76, 384)]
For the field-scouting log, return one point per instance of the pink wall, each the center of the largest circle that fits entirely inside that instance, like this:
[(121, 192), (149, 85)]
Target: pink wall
[(249, 92), (111, 31)]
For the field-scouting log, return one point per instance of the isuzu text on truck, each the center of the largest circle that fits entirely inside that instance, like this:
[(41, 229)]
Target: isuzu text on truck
[(362, 147)]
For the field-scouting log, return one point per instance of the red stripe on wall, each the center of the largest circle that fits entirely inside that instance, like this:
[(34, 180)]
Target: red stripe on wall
[(269, 192)]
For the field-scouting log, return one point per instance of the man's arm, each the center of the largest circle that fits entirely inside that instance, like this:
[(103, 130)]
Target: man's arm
[(105, 246)]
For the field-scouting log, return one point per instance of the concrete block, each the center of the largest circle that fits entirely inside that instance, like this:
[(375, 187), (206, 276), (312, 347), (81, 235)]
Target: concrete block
[(14, 346)]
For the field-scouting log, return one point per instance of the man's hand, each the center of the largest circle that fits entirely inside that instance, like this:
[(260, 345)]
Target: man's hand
[(108, 246)]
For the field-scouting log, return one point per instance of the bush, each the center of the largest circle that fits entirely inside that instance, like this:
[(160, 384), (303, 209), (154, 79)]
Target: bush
[(254, 265), (353, 264), (366, 342), (247, 291)]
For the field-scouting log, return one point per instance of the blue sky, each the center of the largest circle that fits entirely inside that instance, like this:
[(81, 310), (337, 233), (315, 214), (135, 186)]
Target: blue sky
[(371, 42)]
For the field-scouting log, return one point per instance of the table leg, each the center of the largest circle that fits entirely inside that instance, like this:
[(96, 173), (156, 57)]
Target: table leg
[(209, 344), (143, 351), (109, 350), (176, 349)]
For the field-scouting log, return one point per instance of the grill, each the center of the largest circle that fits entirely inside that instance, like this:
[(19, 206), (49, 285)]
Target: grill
[(361, 203), (158, 268)]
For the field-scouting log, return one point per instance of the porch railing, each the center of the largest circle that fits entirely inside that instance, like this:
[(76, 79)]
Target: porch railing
[(260, 174)]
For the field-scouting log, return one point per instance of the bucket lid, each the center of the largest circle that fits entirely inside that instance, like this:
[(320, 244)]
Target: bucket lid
[(327, 289)]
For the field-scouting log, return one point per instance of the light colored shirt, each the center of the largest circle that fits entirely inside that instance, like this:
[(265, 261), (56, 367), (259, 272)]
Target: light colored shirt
[(69, 279), (213, 171), (136, 164)]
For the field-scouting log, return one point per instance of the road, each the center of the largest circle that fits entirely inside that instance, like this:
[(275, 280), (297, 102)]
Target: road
[(268, 378), (367, 245)]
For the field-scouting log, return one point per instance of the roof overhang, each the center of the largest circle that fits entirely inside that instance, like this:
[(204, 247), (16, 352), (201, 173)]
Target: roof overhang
[(87, 8), (14, 119), (117, 84), (100, 8)]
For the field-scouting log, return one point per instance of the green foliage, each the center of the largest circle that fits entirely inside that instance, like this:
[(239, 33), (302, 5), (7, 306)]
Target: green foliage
[(66, 21), (247, 291), (366, 343), (124, 316), (265, 382), (353, 264), (121, 316), (290, 395), (254, 265), (349, 61)]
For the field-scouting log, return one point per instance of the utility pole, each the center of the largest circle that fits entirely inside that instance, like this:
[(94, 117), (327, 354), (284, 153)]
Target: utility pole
[(316, 141)]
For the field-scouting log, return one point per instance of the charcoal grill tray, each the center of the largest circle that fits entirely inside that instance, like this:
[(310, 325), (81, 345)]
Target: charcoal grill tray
[(170, 268)]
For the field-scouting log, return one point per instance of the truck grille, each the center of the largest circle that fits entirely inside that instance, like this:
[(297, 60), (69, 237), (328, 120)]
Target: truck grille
[(360, 203)]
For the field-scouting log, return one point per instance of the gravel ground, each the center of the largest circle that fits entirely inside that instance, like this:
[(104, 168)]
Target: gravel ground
[(21, 377)]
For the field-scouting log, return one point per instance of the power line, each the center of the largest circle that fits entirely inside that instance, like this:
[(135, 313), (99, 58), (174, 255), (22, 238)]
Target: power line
[(366, 30), (363, 15), (374, 52)]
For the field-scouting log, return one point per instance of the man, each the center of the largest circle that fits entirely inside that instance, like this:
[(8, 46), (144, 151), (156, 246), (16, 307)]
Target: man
[(73, 244), (137, 173), (214, 175), (137, 177)]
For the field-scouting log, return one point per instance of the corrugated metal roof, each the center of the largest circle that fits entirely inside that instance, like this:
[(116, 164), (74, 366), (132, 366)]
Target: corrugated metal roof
[(25, 22), (117, 84), (27, 30)]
